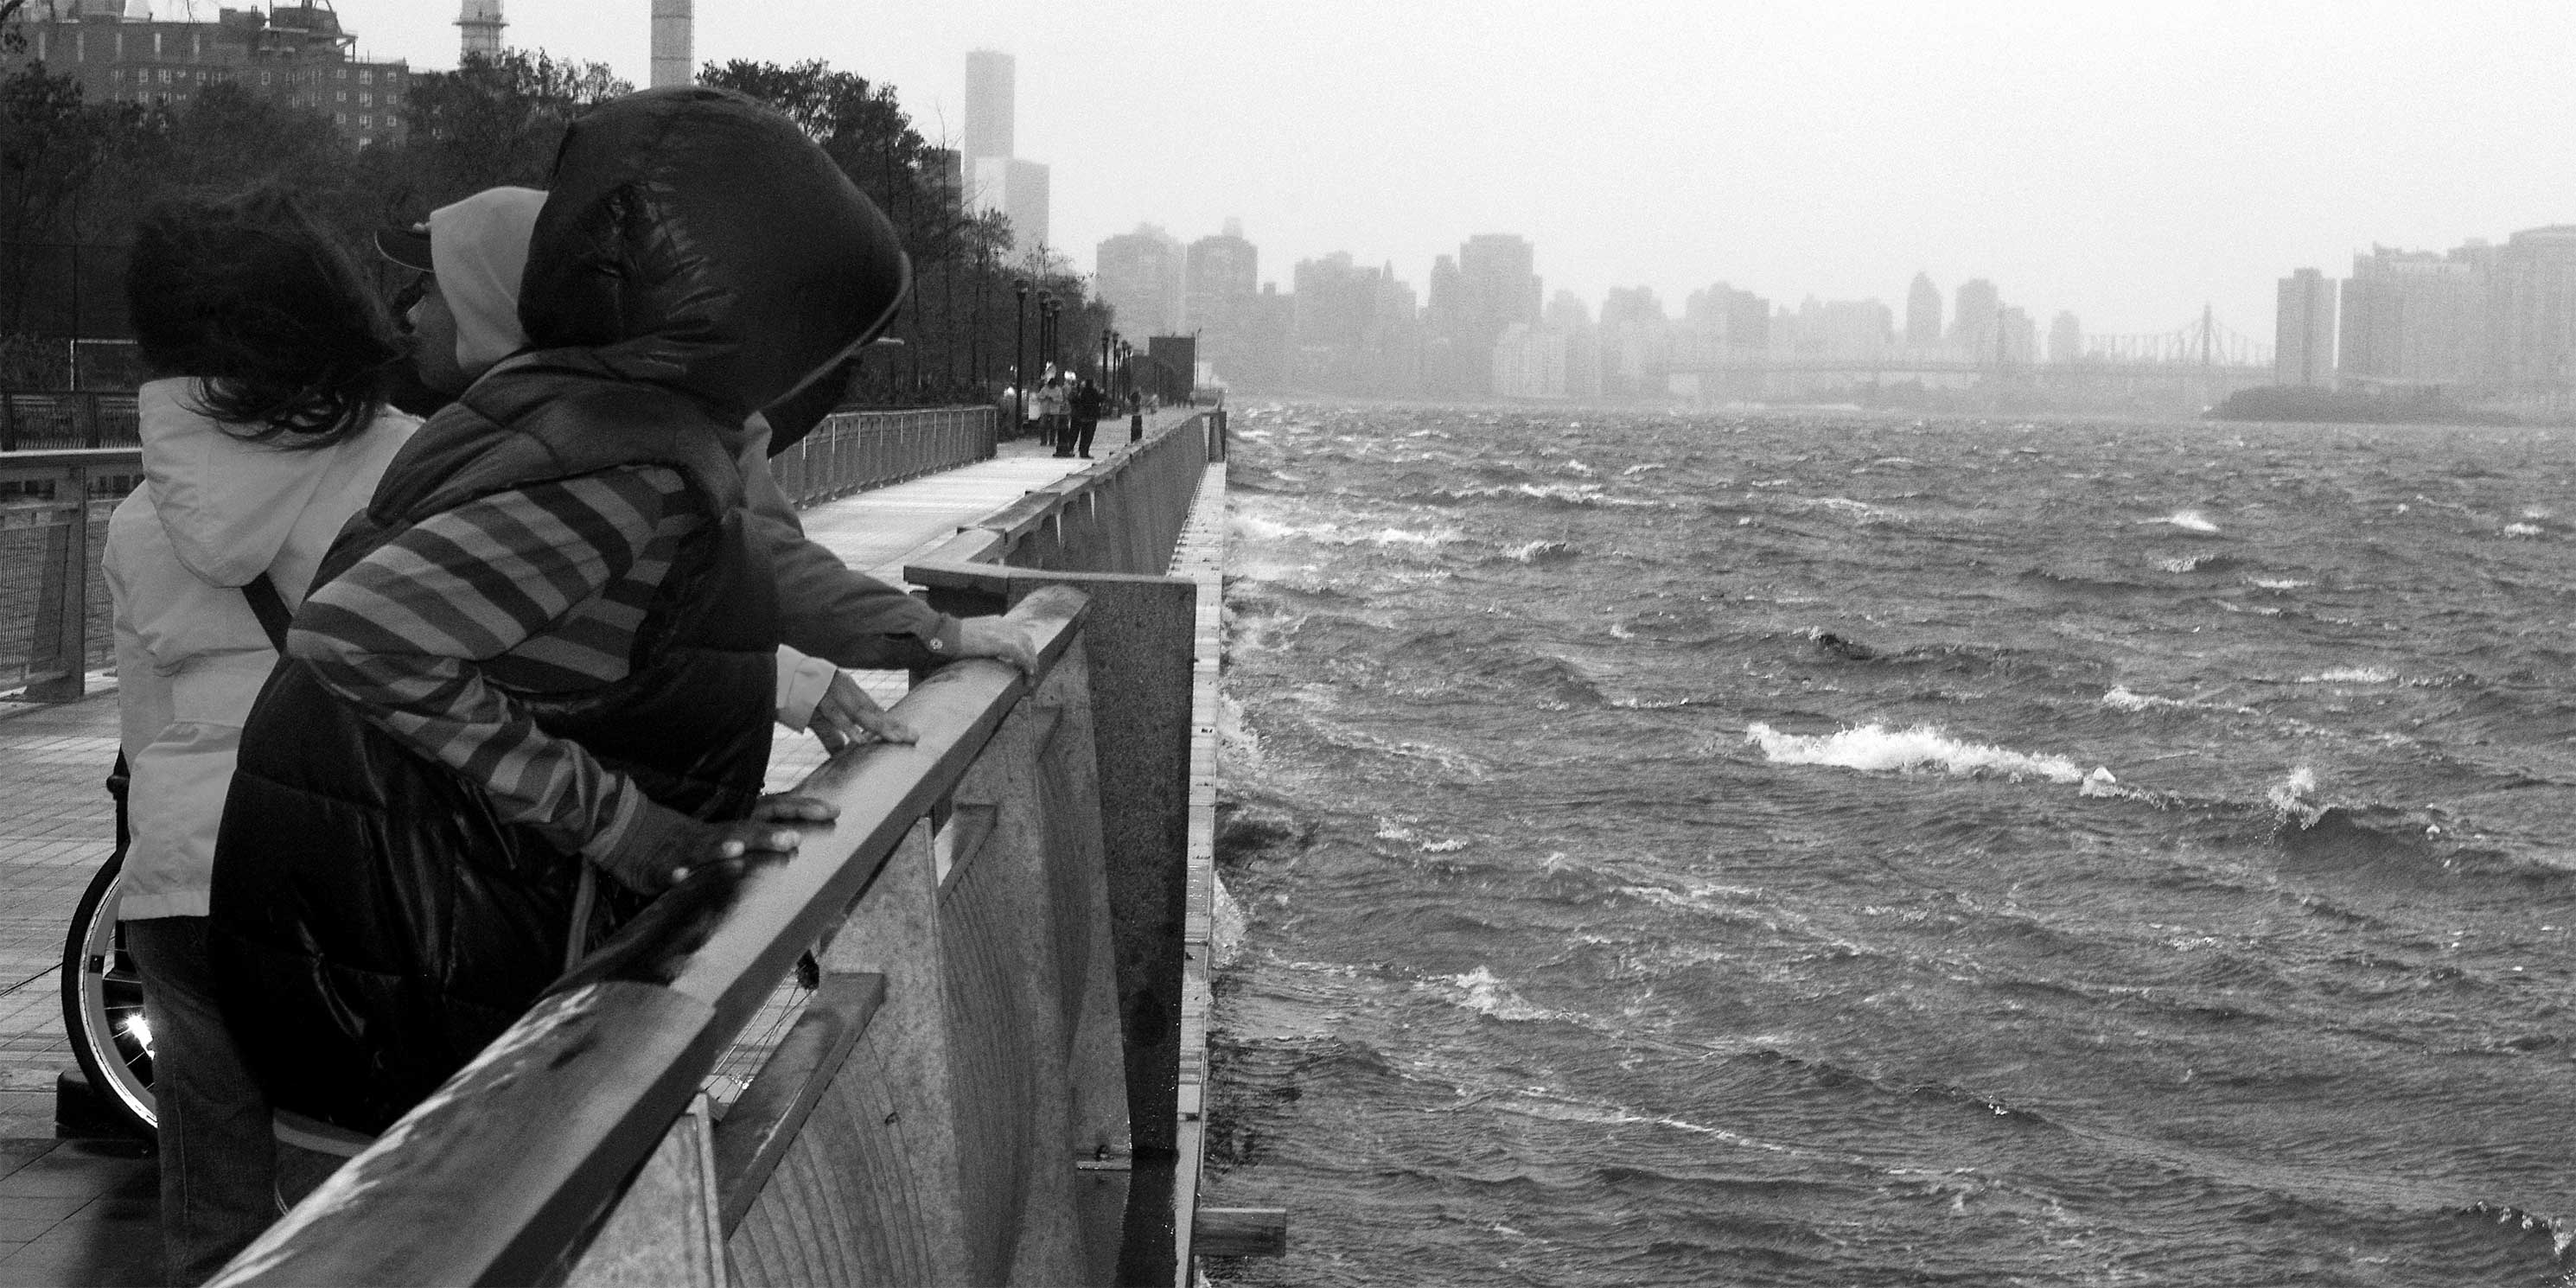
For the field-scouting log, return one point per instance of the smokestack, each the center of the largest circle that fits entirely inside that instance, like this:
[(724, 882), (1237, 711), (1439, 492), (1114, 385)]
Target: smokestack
[(481, 23), (672, 63)]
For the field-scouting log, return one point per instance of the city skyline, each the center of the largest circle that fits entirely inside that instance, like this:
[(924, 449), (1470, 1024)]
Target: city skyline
[(2127, 167)]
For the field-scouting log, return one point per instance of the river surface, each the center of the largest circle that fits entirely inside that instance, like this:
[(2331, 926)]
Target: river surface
[(1814, 849)]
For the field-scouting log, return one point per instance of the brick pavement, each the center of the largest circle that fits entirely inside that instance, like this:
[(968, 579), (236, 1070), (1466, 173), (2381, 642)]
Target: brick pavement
[(85, 1211)]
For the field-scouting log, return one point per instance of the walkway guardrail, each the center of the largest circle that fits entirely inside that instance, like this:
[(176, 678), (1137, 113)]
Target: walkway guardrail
[(53, 531), (855, 450), (40, 420), (997, 916), (54, 504)]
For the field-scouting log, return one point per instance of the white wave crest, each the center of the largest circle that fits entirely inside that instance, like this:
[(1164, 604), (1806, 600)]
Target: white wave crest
[(2120, 698), (2522, 529), (2291, 798), (2279, 583), (1530, 552), (1878, 749), (2189, 521), (1640, 469), (2350, 675), (1482, 991)]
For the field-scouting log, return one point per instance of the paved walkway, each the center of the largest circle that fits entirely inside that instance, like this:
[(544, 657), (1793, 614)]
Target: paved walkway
[(85, 1212)]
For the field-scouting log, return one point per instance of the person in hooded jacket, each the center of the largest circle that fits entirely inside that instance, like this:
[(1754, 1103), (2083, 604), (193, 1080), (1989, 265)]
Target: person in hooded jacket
[(264, 429), (465, 322), (549, 642)]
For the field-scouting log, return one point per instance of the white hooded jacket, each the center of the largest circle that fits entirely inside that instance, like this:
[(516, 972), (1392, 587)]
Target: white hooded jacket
[(213, 513)]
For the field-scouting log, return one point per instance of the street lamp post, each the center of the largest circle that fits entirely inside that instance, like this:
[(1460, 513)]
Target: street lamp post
[(1020, 361), (1107, 339)]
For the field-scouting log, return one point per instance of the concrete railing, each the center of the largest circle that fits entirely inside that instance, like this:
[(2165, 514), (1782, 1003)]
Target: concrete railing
[(53, 530), (854, 450), (982, 1086)]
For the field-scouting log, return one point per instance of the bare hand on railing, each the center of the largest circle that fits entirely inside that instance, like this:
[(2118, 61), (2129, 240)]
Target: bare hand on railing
[(666, 848), (996, 637), (846, 715)]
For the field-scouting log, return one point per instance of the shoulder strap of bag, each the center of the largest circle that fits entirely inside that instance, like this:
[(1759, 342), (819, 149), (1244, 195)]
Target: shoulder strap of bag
[(270, 608)]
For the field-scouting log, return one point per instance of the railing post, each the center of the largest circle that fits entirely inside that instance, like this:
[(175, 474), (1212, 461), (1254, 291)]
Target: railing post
[(885, 1133), (62, 600)]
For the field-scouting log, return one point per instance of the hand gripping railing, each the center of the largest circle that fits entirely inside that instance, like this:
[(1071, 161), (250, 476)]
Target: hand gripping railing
[(926, 1121)]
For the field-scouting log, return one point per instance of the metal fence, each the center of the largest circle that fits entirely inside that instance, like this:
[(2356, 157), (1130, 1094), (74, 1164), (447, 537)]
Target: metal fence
[(53, 531), (39, 420), (58, 484), (854, 450)]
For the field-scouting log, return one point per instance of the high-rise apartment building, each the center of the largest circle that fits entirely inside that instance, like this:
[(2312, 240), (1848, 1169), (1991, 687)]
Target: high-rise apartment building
[(2303, 330), (1923, 314), (2065, 338), (1139, 276), (1492, 284), (2534, 316), (2412, 318), (294, 54), (1972, 323), (1221, 284), (1018, 189)]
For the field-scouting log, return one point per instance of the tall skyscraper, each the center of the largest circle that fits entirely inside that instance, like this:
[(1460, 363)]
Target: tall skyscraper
[(989, 104), (1139, 275), (481, 25), (998, 178), (1923, 314), (2303, 330), (674, 40)]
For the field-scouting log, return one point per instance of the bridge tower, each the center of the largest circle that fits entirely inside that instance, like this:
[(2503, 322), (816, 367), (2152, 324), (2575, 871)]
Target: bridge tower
[(481, 23), (672, 40)]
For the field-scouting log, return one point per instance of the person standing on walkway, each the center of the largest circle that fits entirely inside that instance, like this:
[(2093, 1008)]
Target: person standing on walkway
[(1086, 405), (548, 645), (264, 429)]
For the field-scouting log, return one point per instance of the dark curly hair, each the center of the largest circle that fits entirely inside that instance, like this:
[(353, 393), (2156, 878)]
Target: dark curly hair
[(249, 294)]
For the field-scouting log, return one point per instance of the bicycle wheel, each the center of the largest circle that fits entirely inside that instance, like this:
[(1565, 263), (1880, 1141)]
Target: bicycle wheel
[(103, 1005)]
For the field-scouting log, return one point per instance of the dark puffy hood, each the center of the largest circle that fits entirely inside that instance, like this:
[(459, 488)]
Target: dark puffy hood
[(694, 239)]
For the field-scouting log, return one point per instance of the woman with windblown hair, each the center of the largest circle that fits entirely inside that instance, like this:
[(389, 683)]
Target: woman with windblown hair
[(548, 645), (264, 428)]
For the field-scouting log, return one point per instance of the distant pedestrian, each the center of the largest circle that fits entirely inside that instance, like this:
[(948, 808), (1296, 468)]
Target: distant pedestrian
[(264, 428), (1085, 407)]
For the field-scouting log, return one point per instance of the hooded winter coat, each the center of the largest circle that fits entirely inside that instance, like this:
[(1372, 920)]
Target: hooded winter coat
[(214, 512), (376, 921)]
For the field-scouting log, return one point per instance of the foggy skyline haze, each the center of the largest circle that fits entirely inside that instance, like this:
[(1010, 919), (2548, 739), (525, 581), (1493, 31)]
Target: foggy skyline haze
[(2127, 165)]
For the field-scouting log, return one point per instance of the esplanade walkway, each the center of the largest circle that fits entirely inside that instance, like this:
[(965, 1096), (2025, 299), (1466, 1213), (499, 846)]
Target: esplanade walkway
[(83, 1209)]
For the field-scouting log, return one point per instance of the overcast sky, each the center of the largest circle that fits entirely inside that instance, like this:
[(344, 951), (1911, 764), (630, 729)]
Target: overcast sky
[(2127, 162)]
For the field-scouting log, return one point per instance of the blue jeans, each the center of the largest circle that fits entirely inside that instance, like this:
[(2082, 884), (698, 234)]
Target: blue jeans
[(224, 1176)]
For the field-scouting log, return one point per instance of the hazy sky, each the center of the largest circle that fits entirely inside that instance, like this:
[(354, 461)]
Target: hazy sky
[(2128, 161)]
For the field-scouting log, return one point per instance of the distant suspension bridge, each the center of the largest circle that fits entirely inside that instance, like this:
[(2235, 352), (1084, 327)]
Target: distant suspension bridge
[(2202, 349)]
